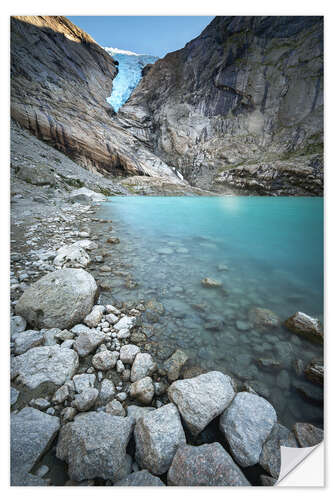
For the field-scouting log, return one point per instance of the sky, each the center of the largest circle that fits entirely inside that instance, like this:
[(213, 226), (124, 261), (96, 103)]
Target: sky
[(153, 35)]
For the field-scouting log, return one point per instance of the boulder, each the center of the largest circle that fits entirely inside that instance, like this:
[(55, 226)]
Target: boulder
[(143, 390), (201, 399), (270, 457), (28, 339), (59, 299), (128, 353), (157, 437), (94, 445), (140, 478), (105, 360), (84, 381), (71, 256), (38, 175), (247, 423), (32, 433), (307, 434), (263, 319), (94, 317), (205, 465), (306, 326), (143, 366), (86, 196), (174, 364), (87, 342), (45, 365)]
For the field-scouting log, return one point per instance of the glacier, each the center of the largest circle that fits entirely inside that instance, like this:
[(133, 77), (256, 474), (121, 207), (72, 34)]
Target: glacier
[(129, 74)]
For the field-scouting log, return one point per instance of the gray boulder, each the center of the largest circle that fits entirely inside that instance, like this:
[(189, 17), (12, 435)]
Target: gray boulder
[(125, 323), (205, 465), (105, 360), (140, 478), (201, 399), (143, 366), (84, 381), (45, 365), (28, 339), (86, 196), (247, 423), (270, 457), (308, 434), (128, 353), (71, 256), (32, 432), (59, 299), (85, 399), (95, 316), (157, 436), (94, 445), (87, 342)]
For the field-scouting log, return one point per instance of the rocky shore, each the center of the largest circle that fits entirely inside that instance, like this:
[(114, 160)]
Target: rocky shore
[(90, 405)]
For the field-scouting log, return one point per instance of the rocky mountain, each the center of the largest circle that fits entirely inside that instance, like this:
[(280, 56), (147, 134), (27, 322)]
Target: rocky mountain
[(60, 80), (130, 72), (240, 106)]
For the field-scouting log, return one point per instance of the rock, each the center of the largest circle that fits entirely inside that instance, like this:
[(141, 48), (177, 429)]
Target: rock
[(142, 390), (247, 423), (67, 344), (28, 339), (115, 408), (59, 299), (138, 411), (32, 433), (86, 244), (78, 329), (140, 478), (14, 394), (143, 366), (120, 366), (87, 342), (107, 391), (122, 396), (42, 471), (64, 335), (85, 399), (94, 317), (315, 371), (174, 364), (86, 196), (111, 318), (308, 435), (205, 465), (113, 240), (94, 445), (38, 175), (270, 457), (306, 326), (105, 269), (157, 437), (17, 325), (44, 365), (61, 394), (269, 364), (242, 326), (68, 414), (105, 360), (201, 399), (125, 323), (160, 388), (123, 334), (40, 404), (50, 336), (128, 353), (267, 480), (263, 319), (71, 256), (111, 309), (211, 283), (84, 381)]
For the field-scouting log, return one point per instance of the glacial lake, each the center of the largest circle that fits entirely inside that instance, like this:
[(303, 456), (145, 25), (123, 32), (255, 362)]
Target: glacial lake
[(266, 251)]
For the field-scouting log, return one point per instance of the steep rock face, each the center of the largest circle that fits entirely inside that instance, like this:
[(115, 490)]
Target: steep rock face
[(60, 79), (239, 106)]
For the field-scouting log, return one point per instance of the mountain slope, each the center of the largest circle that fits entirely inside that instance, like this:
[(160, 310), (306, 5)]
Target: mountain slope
[(60, 80), (241, 106)]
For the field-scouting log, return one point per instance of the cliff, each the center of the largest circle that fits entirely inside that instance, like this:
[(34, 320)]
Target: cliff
[(239, 106), (60, 80)]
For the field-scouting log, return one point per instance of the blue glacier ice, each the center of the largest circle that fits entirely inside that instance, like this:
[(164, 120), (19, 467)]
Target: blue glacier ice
[(129, 75)]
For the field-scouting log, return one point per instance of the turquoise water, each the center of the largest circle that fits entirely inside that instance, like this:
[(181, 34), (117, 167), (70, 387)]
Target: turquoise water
[(266, 251)]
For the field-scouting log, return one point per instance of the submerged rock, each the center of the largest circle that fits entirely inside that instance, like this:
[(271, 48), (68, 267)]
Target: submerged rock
[(247, 423), (94, 445), (58, 300), (315, 371), (174, 364), (263, 318), (157, 437), (306, 326), (210, 283), (32, 432), (205, 465), (201, 399)]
